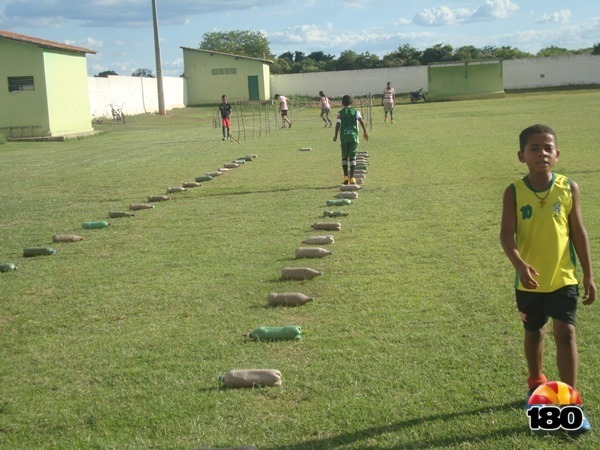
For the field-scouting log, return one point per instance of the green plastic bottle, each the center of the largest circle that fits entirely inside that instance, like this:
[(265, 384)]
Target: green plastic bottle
[(38, 251), (276, 333), (95, 225), (361, 167), (202, 178), (7, 267), (339, 202)]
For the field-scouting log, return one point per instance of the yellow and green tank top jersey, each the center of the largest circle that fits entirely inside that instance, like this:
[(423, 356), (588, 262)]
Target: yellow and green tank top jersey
[(542, 232)]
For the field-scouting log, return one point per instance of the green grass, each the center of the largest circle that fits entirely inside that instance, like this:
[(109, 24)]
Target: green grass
[(413, 339)]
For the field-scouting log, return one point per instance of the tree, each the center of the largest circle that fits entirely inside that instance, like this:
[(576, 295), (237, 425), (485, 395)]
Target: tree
[(142, 73), (467, 53), (347, 60), (596, 50), (437, 53), (299, 57), (288, 56), (106, 73), (320, 57), (554, 51), (238, 42)]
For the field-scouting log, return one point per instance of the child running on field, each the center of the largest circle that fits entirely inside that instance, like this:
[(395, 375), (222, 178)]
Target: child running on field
[(283, 108), (347, 126), (325, 109), (541, 226), (225, 110)]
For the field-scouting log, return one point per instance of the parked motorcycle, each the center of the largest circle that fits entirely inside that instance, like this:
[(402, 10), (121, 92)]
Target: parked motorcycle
[(415, 96)]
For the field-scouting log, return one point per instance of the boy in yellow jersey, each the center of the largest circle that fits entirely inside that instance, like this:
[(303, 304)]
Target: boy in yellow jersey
[(542, 229)]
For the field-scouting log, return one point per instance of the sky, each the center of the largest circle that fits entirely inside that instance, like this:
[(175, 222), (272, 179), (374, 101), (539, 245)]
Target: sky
[(121, 31)]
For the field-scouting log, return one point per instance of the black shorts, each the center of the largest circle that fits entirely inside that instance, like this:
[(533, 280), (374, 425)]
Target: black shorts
[(283, 112), (536, 307)]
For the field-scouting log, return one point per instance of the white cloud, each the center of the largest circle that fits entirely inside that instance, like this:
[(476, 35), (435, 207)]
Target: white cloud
[(401, 21), (495, 9), (561, 16), (443, 15)]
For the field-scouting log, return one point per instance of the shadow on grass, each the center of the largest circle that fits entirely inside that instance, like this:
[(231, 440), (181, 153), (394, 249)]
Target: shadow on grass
[(449, 440)]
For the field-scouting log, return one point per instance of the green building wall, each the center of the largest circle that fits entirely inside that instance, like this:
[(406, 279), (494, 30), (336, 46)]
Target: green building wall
[(25, 109), (59, 103), (463, 81), (204, 86), (67, 93)]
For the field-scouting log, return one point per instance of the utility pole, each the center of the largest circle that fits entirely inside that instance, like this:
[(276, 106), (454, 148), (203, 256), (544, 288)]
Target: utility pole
[(159, 79)]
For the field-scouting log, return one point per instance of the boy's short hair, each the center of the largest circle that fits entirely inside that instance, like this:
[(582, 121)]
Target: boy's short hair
[(276, 96), (346, 100), (530, 131)]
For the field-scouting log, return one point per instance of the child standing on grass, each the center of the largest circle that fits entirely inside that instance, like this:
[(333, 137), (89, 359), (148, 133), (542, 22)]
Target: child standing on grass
[(325, 109), (388, 101), (225, 110), (347, 126), (541, 225), (283, 108)]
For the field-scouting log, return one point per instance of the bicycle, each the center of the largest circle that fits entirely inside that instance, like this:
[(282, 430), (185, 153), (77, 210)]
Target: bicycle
[(117, 113)]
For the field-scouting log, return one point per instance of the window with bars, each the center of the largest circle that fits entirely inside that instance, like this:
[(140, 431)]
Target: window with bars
[(226, 71), (18, 84)]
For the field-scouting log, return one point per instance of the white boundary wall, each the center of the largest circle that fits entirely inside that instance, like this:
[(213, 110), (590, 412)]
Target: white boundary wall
[(137, 95), (518, 74), (551, 71)]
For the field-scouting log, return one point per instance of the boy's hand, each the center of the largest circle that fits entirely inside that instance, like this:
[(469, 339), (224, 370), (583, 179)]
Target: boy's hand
[(366, 136), (589, 294), (335, 138), (526, 274)]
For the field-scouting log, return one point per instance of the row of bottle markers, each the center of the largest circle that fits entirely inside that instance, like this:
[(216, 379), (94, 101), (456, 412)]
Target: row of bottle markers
[(248, 378), (99, 224)]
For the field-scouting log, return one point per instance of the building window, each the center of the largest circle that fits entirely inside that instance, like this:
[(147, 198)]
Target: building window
[(17, 84), (228, 71)]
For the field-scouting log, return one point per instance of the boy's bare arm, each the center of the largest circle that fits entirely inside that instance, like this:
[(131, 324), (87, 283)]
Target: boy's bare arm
[(337, 130), (362, 124), (507, 239), (581, 243)]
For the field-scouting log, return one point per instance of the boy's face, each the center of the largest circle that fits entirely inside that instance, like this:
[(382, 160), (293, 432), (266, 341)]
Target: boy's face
[(224, 100), (541, 153)]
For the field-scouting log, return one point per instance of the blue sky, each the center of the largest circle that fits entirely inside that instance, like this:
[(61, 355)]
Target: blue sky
[(121, 30)]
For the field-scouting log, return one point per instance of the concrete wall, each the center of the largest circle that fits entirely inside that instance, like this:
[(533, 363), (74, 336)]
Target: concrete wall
[(551, 71), (352, 82), (517, 74), (137, 95), (140, 95)]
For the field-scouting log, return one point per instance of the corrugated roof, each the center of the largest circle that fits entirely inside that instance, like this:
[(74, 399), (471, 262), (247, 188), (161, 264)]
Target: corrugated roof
[(267, 61), (43, 43)]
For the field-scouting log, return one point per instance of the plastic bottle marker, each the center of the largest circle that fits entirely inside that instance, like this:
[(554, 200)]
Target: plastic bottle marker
[(319, 240), (288, 299), (251, 378), (312, 252), (299, 273)]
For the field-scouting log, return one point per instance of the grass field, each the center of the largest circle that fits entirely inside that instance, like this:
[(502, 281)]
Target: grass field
[(413, 340)]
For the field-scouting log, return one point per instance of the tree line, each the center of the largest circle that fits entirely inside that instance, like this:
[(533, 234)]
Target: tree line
[(256, 45)]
